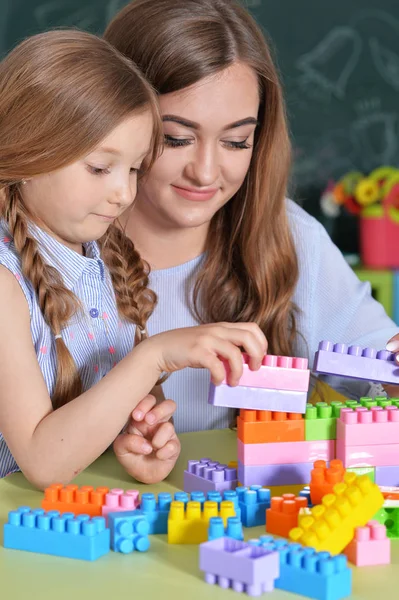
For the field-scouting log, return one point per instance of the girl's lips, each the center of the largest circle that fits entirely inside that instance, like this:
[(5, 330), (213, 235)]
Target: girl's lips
[(195, 195)]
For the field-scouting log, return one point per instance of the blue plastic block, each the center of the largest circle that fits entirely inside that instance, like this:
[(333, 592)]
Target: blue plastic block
[(253, 502), (305, 493), (228, 495), (129, 532), (67, 535), (307, 572), (233, 530), (155, 512)]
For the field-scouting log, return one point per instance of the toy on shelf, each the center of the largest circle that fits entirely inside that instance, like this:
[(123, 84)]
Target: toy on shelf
[(332, 524), (129, 532), (281, 384), (206, 475), (282, 516), (370, 546), (238, 565), (67, 535), (309, 573), (74, 499)]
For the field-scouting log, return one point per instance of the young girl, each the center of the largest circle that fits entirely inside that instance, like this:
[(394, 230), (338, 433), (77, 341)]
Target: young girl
[(211, 216), (77, 123)]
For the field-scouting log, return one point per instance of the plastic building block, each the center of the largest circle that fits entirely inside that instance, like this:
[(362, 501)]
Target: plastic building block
[(332, 524), (323, 479), (217, 529), (390, 492), (188, 523), (270, 475), (356, 362), (305, 493), (285, 452), (257, 398), (67, 535), (321, 420), (282, 516), (370, 546), (258, 427), (309, 573), (238, 565), (369, 471), (129, 532), (389, 517), (206, 475), (383, 455), (119, 501), (276, 373), (155, 512), (73, 499), (361, 426), (253, 503), (387, 476)]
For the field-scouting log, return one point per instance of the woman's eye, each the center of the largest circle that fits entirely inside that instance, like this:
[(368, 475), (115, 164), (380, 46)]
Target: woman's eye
[(173, 142), (97, 170), (238, 145)]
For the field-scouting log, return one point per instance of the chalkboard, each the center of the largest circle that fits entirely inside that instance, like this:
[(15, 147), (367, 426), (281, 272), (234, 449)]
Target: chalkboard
[(339, 63)]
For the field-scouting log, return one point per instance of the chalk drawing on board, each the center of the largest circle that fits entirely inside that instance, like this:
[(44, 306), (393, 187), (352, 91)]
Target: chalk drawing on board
[(331, 63), (376, 136), (386, 62), (53, 12)]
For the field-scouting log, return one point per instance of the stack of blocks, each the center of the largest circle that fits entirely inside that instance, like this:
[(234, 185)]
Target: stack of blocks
[(281, 384)]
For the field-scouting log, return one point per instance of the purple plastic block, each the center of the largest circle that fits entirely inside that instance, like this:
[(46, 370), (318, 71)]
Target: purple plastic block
[(268, 475), (232, 563), (257, 398), (356, 362), (387, 476), (205, 476)]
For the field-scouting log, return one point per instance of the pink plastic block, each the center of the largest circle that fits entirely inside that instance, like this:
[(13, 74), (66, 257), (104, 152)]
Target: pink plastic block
[(371, 427), (119, 501), (368, 456), (285, 452), (257, 398), (277, 373), (356, 362), (370, 546), (205, 476)]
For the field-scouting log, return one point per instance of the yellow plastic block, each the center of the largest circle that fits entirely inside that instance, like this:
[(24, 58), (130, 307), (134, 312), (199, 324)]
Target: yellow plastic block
[(332, 523), (188, 524)]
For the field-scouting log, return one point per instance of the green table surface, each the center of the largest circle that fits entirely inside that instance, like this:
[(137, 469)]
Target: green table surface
[(164, 571)]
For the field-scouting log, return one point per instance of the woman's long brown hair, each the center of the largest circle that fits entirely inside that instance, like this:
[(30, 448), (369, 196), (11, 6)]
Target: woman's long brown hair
[(251, 260), (61, 94)]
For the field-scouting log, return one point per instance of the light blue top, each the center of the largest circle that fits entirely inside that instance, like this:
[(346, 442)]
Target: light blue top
[(334, 306)]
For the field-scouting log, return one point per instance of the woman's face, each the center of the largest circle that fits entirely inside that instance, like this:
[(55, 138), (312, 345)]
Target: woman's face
[(209, 134)]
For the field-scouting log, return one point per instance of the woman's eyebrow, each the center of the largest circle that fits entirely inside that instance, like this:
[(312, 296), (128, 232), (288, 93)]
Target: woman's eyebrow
[(194, 125)]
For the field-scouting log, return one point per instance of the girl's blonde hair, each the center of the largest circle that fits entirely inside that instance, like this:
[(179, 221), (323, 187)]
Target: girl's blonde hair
[(61, 94), (251, 261)]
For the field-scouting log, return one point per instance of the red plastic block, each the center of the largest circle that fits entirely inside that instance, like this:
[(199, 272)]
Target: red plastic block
[(282, 516), (80, 501), (277, 373), (368, 456), (119, 501), (260, 426), (370, 546), (356, 362), (323, 479), (285, 452), (361, 426)]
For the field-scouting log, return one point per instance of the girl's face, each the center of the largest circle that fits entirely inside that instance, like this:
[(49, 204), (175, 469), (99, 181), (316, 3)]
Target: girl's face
[(209, 134), (79, 202)]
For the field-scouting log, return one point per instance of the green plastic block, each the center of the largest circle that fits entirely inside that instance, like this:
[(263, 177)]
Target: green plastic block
[(369, 471), (321, 421), (390, 518)]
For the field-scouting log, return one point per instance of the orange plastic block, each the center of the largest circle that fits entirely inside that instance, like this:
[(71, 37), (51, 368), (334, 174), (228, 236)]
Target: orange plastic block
[(332, 524), (260, 426), (85, 500), (283, 513), (390, 493), (323, 479)]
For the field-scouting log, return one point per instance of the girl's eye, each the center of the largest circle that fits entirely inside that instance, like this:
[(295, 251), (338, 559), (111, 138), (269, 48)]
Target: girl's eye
[(173, 142), (238, 145), (98, 170)]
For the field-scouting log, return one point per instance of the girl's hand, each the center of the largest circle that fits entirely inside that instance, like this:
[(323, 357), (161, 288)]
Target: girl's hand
[(393, 346), (207, 346), (149, 447)]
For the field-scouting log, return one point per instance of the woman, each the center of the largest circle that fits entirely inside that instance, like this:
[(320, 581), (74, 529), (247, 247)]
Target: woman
[(211, 217)]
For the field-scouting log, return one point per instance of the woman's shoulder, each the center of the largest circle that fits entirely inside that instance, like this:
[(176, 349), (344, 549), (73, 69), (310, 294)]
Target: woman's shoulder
[(308, 234)]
